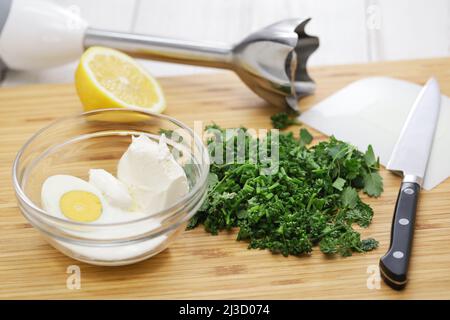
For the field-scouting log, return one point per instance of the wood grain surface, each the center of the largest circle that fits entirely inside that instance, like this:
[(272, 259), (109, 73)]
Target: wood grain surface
[(198, 265)]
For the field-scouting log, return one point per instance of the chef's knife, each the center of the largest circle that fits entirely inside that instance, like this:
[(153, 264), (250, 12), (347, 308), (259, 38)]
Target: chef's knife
[(410, 157)]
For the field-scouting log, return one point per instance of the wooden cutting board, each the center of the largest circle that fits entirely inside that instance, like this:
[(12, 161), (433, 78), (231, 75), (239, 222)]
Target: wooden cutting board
[(199, 265)]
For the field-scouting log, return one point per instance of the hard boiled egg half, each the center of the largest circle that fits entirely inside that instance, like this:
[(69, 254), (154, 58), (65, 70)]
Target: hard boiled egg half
[(73, 198), (104, 200)]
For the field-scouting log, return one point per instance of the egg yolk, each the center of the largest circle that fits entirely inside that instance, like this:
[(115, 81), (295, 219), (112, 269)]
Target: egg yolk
[(80, 206)]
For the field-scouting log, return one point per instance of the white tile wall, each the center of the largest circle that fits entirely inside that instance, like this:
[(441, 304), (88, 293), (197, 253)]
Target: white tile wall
[(415, 29), (350, 31)]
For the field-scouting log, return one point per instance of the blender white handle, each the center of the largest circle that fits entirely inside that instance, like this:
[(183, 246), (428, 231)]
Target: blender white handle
[(40, 34), (4, 11)]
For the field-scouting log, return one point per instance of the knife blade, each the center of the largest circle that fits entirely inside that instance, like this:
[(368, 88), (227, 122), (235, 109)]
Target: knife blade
[(410, 157)]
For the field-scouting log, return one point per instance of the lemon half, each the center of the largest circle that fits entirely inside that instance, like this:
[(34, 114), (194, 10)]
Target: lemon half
[(107, 78)]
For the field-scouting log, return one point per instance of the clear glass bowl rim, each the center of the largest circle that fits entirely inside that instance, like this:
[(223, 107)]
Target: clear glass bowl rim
[(172, 209)]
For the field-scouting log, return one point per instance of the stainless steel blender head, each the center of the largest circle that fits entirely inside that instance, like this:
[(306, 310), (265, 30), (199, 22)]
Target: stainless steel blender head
[(271, 61)]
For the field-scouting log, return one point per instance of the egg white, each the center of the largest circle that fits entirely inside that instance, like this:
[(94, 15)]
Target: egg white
[(115, 192), (56, 186)]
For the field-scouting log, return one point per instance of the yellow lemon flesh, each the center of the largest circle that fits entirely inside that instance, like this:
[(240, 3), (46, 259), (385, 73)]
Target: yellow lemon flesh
[(107, 78), (80, 206)]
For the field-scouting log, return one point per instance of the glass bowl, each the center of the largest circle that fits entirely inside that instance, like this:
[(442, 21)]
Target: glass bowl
[(97, 139)]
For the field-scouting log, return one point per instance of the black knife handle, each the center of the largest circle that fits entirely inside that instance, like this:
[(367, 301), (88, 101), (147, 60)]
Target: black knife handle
[(394, 264)]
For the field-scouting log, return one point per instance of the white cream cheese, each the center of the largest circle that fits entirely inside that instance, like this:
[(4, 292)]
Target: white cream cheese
[(153, 177)]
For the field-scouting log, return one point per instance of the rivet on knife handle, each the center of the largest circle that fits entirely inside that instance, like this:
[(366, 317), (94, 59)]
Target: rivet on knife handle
[(394, 265)]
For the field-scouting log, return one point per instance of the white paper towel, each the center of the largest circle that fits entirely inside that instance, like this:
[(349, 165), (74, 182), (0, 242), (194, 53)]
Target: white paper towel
[(373, 111)]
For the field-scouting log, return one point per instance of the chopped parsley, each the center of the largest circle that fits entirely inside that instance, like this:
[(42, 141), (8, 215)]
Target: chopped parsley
[(311, 200), (282, 120)]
